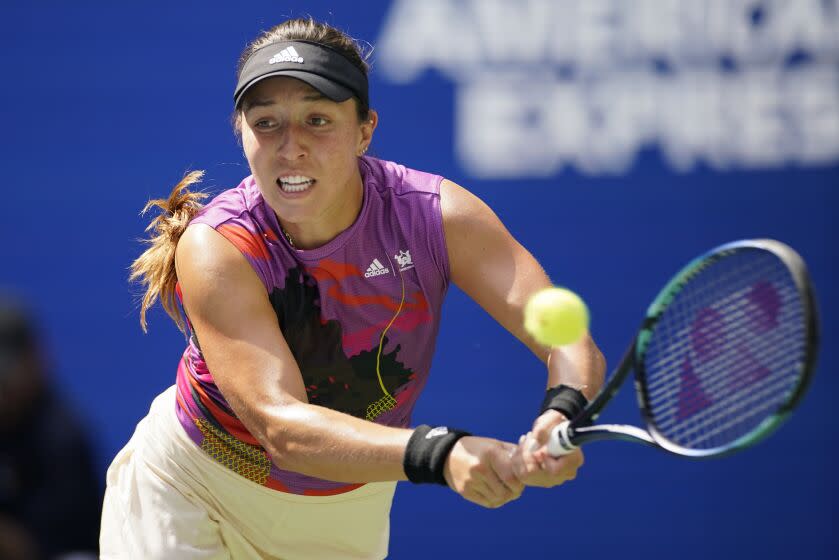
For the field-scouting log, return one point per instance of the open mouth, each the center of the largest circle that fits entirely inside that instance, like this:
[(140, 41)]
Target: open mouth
[(295, 183)]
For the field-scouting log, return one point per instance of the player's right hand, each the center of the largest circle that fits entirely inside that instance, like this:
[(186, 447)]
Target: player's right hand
[(480, 470), (534, 466)]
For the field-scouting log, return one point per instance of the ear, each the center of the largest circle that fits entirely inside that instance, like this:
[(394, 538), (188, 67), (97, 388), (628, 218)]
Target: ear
[(367, 129), (236, 121)]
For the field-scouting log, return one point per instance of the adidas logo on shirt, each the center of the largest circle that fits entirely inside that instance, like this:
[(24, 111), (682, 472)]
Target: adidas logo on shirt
[(376, 269), (288, 54)]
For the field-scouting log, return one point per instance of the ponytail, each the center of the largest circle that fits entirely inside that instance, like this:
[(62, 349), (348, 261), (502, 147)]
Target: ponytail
[(155, 268)]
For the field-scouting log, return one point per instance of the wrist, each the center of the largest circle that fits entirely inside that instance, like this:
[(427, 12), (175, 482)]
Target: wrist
[(447, 466), (566, 399), (427, 452)]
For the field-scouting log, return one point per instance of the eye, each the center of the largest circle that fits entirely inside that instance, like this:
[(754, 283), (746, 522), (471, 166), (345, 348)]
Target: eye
[(318, 121), (263, 124)]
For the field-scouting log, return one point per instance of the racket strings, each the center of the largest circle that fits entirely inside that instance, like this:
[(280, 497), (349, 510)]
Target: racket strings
[(728, 360), (727, 351), (747, 411), (724, 406)]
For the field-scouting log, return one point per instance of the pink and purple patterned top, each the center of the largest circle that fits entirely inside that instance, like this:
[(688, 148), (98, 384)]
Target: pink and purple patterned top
[(381, 282)]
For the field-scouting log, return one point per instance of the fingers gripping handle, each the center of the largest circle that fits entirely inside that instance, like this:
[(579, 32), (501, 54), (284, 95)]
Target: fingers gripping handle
[(560, 442)]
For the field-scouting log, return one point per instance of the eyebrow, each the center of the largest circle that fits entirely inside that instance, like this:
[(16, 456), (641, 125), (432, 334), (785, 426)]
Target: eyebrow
[(315, 96), (250, 104)]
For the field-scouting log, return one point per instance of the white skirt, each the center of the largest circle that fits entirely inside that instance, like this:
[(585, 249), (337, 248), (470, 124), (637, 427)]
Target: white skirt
[(165, 498)]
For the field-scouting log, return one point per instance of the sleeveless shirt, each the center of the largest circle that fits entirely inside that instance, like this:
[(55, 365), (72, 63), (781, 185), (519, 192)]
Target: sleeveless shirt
[(360, 313)]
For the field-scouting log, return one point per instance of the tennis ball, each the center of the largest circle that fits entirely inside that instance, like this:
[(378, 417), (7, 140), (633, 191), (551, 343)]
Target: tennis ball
[(556, 317)]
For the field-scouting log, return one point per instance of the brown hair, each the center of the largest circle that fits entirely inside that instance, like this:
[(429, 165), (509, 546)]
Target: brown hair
[(155, 268)]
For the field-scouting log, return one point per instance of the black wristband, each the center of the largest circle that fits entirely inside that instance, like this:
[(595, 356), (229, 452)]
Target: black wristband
[(427, 451), (565, 399)]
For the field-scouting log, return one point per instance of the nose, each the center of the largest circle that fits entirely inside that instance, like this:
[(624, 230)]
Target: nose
[(291, 144)]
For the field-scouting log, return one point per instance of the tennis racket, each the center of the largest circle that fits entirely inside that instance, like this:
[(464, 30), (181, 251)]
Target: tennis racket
[(722, 358)]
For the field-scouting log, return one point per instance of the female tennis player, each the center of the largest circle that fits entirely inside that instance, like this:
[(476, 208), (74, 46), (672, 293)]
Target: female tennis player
[(311, 294)]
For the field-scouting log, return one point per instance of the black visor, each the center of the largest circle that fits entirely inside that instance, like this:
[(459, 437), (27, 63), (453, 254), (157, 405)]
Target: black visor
[(323, 68)]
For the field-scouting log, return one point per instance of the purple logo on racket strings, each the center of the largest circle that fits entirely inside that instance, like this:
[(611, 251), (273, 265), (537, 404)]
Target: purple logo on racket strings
[(708, 333)]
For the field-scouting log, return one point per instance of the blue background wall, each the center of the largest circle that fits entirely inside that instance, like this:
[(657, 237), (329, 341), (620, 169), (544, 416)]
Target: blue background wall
[(105, 105)]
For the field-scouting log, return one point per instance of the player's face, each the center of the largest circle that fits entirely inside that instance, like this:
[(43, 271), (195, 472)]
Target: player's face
[(302, 149)]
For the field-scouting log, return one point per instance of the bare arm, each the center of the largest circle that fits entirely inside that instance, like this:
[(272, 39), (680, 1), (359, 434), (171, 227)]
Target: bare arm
[(500, 275), (255, 370)]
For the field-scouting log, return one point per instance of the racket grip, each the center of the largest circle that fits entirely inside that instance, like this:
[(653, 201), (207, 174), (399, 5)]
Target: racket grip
[(559, 443)]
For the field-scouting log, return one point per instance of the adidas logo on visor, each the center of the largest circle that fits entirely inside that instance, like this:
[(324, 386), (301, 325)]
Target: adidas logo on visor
[(376, 269), (288, 54)]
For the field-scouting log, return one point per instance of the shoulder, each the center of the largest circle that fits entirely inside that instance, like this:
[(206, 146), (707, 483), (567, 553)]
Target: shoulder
[(202, 248), (226, 232), (211, 269), (242, 217), (240, 202), (404, 204), (394, 177), (463, 210), (228, 238)]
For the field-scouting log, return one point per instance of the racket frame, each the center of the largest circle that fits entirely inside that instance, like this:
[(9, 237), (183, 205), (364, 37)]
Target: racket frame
[(570, 435)]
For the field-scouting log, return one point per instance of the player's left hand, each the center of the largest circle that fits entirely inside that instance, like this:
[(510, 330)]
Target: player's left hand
[(532, 463)]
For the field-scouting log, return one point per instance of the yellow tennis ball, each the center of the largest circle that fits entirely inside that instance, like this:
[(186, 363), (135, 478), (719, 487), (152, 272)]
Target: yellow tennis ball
[(556, 317)]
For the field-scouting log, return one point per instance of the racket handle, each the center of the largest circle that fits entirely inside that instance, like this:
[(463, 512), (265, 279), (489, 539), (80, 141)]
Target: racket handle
[(559, 443)]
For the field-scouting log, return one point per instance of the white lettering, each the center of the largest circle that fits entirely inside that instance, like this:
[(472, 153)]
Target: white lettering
[(814, 115), (598, 25), (500, 129), (655, 27), (431, 33), (544, 84), (761, 132), (513, 33), (806, 24), (726, 121), (691, 121)]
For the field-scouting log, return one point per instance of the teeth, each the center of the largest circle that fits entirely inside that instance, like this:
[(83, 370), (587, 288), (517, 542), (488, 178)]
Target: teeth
[(295, 188), (295, 183)]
